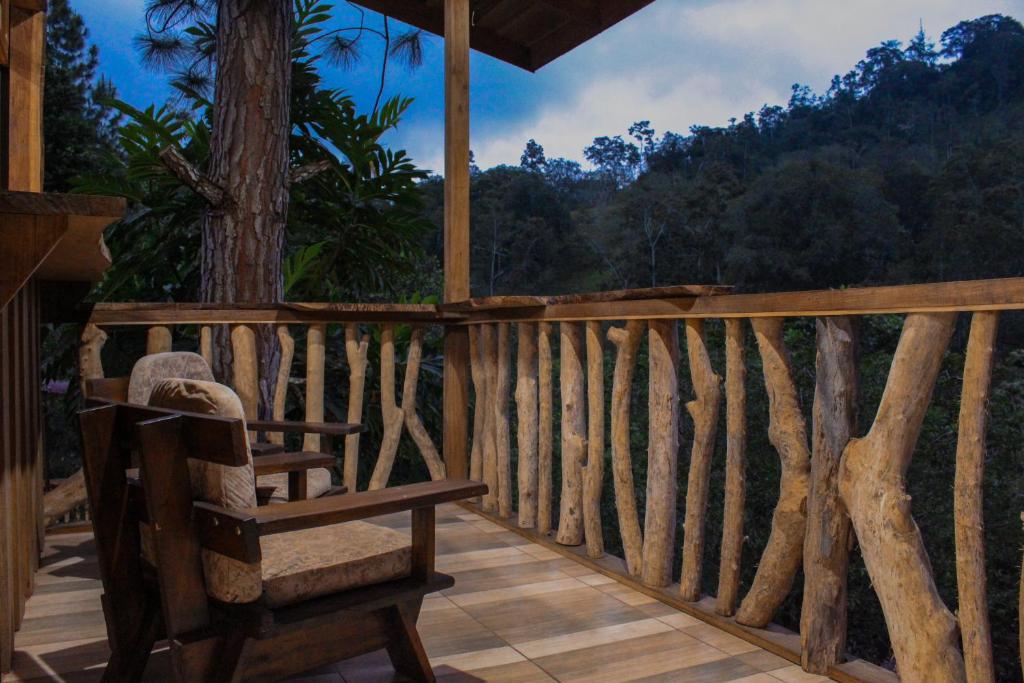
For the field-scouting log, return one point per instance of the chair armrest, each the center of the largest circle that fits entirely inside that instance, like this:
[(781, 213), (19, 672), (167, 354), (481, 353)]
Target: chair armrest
[(329, 428), (290, 462), (236, 533)]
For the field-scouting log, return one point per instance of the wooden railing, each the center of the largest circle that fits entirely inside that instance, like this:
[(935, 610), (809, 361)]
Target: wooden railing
[(834, 487)]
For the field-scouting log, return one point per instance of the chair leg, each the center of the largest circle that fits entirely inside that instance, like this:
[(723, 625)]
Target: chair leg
[(127, 666), (231, 659), (404, 645)]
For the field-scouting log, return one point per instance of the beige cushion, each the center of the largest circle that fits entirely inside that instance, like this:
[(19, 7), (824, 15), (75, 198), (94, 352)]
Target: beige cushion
[(233, 488), (318, 482), (150, 370), (308, 563)]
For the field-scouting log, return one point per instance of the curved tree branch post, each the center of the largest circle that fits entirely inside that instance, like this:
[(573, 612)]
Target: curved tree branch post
[(418, 432), (284, 370), (969, 527), (627, 342), (245, 370), (574, 440), (662, 453), (593, 472), (707, 386), (356, 351), (735, 467), (545, 427), (787, 431), (922, 630), (489, 352), (391, 414), (526, 413), (502, 436), (315, 359), (158, 339), (476, 367), (829, 535), (90, 359)]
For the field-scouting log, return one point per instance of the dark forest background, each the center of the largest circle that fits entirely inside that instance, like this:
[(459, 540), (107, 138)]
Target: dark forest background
[(909, 168)]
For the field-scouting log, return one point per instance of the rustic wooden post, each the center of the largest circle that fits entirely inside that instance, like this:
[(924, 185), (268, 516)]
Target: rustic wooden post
[(526, 413), (456, 231), (356, 351), (391, 414), (545, 427), (922, 630), (593, 472), (787, 430), (158, 339), (704, 411), (90, 360), (502, 436), (206, 344), (489, 351), (245, 368), (315, 358), (476, 364), (574, 440), (969, 527), (418, 432), (662, 452), (627, 343), (284, 371), (735, 467), (828, 538)]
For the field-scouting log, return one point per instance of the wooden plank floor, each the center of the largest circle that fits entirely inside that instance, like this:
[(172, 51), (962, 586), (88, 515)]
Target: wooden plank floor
[(518, 613)]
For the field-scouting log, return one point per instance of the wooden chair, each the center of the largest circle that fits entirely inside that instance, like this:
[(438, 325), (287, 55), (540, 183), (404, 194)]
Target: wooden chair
[(259, 593), (281, 476)]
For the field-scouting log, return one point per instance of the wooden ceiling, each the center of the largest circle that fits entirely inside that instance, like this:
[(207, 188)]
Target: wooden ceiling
[(527, 33)]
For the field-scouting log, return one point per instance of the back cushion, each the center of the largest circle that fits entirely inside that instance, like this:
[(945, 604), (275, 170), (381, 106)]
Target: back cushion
[(151, 370), (233, 488)]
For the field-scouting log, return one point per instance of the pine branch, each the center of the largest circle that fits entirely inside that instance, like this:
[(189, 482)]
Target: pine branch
[(300, 174), (177, 164)]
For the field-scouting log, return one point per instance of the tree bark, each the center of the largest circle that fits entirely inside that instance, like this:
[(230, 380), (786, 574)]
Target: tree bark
[(574, 440), (968, 494), (593, 472), (922, 630), (735, 467), (526, 413), (662, 453), (787, 431), (627, 342), (828, 538), (704, 411), (545, 427)]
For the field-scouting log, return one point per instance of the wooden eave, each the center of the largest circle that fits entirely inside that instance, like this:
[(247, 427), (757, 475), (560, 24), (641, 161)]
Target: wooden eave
[(56, 237), (526, 33)]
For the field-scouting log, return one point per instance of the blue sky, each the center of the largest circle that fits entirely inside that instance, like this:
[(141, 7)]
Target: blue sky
[(676, 63)]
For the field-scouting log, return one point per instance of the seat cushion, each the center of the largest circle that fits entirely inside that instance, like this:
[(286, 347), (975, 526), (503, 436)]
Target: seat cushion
[(233, 488), (152, 369), (318, 482), (309, 563)]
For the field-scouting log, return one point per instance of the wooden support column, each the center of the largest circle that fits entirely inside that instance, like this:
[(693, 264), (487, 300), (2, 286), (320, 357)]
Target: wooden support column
[(24, 146), (502, 435), (315, 358), (206, 344), (284, 371), (356, 351), (662, 452), (158, 339), (627, 343), (545, 427), (593, 473), (735, 467), (245, 368), (828, 539), (456, 232), (968, 492), (574, 431), (489, 452), (526, 413)]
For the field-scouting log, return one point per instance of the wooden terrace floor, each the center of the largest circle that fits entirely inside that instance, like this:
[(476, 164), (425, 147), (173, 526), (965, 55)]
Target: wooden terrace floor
[(519, 612)]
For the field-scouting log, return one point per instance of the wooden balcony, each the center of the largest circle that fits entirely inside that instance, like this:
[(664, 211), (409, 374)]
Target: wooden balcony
[(519, 611)]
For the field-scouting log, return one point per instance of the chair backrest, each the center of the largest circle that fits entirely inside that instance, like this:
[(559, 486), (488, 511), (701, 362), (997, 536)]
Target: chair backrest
[(152, 369), (167, 439)]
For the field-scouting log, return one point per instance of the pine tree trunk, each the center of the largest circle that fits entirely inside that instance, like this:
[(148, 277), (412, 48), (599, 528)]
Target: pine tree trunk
[(243, 236)]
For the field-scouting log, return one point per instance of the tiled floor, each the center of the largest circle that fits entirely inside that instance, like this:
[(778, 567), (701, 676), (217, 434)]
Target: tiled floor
[(519, 612)]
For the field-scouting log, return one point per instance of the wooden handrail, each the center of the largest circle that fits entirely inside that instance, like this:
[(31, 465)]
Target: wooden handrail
[(117, 314)]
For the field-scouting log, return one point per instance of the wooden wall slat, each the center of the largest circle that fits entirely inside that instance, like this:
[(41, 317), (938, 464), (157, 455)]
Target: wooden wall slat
[(7, 520)]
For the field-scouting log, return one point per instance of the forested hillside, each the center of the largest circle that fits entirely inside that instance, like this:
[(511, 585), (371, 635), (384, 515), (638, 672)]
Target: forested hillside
[(909, 168)]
